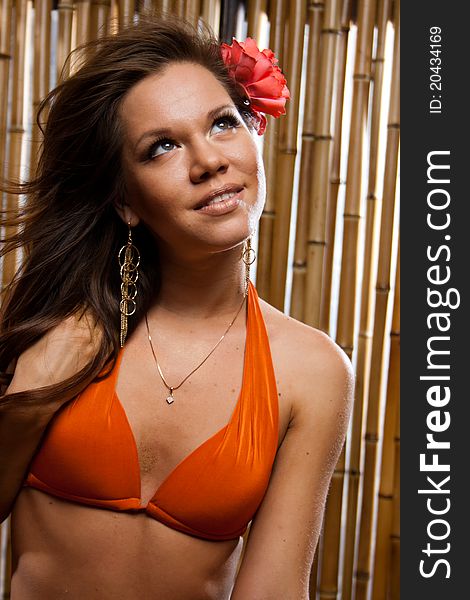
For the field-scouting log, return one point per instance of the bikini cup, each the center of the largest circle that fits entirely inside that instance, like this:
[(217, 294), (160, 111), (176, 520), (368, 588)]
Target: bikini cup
[(89, 454)]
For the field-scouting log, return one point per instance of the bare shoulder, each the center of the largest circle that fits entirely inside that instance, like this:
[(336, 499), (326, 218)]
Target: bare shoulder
[(315, 374), (81, 331), (61, 353)]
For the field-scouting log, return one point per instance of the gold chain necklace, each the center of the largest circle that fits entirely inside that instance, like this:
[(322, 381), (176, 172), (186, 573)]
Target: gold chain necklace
[(171, 388)]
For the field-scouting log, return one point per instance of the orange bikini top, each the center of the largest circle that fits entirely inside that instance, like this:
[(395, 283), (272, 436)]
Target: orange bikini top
[(89, 455)]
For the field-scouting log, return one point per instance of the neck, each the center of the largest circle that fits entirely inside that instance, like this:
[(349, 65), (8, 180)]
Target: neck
[(213, 285)]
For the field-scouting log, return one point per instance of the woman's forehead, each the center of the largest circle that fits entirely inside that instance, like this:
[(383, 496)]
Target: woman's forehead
[(181, 91)]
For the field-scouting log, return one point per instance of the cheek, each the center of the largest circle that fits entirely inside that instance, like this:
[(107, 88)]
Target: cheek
[(246, 157), (152, 195), (254, 168)]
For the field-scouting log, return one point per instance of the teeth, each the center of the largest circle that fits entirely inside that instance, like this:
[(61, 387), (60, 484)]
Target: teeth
[(221, 198)]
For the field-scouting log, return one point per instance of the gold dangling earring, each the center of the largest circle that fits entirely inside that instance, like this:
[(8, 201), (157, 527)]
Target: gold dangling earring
[(129, 276), (248, 257)]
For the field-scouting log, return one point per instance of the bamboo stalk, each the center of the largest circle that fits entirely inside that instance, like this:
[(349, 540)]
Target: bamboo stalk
[(335, 182), (64, 37), (210, 13), (191, 11), (5, 60), (366, 306), (99, 18), (284, 175), (368, 508), (352, 216), (382, 557), (347, 296), (41, 73), (321, 163), (256, 18), (114, 17), (162, 5), (16, 126), (145, 6), (314, 20), (178, 7), (277, 18), (126, 9), (83, 21)]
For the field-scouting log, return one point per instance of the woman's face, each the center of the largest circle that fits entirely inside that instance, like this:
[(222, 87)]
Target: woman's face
[(205, 145)]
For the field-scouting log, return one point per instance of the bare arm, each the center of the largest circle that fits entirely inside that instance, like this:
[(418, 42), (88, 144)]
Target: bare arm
[(58, 355), (284, 533)]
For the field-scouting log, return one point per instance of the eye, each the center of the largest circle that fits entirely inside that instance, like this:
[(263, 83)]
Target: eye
[(152, 152), (225, 122), (230, 120)]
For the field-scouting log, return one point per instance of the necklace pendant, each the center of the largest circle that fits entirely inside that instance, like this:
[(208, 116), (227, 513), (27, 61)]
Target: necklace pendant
[(170, 398)]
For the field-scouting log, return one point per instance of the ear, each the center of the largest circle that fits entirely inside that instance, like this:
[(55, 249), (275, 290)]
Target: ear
[(127, 213)]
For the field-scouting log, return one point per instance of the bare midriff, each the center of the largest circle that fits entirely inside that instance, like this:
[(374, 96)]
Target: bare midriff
[(61, 550)]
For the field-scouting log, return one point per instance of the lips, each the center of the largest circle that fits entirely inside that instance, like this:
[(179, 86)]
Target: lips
[(226, 189)]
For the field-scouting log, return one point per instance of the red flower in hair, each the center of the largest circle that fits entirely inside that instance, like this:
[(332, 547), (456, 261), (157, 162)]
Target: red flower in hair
[(257, 72)]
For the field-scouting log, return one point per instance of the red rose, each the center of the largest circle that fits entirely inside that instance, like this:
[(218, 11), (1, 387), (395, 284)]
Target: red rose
[(260, 77)]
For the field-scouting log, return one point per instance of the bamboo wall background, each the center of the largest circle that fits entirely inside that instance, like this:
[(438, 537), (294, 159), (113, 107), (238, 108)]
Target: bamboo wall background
[(328, 242)]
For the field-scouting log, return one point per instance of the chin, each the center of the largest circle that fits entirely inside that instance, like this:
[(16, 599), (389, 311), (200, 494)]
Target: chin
[(229, 238)]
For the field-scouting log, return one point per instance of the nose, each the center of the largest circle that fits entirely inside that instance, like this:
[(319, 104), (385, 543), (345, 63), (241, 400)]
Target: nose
[(207, 160)]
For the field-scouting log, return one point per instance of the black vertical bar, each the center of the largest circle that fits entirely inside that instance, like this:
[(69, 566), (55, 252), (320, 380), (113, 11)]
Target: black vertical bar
[(435, 324)]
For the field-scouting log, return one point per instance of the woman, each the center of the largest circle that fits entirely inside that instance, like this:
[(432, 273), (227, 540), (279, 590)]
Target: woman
[(117, 485)]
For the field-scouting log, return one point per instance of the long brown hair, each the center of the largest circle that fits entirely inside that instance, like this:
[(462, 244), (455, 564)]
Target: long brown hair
[(68, 229)]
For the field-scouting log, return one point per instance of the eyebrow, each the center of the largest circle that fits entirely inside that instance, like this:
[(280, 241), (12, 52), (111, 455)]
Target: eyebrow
[(167, 131)]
